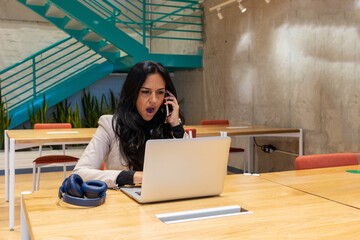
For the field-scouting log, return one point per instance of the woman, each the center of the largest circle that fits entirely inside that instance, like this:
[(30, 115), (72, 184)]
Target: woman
[(147, 109)]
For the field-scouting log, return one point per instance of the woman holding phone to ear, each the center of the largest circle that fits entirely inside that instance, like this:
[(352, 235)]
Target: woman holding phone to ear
[(147, 109)]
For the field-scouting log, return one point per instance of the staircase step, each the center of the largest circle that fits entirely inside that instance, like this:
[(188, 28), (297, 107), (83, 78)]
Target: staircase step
[(74, 25), (92, 37), (109, 48), (102, 26), (54, 12), (36, 2)]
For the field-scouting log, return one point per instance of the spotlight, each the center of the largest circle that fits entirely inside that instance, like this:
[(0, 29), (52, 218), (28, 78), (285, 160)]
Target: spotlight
[(267, 1), (241, 7), (220, 16)]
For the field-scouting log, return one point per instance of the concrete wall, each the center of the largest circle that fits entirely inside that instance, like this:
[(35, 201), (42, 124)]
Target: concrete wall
[(23, 33), (290, 63)]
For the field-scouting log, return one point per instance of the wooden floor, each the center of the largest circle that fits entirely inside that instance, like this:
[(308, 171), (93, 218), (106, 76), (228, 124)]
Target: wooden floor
[(23, 182)]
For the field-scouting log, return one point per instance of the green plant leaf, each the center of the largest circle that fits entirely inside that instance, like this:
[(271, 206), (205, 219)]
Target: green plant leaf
[(5, 118)]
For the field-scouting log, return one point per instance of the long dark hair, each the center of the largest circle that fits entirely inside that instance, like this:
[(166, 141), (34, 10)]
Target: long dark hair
[(127, 122)]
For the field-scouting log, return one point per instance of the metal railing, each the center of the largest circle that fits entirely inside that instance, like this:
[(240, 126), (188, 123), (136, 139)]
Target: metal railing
[(29, 79), (145, 20)]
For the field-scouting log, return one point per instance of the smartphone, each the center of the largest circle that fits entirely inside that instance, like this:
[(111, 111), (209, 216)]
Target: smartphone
[(168, 108)]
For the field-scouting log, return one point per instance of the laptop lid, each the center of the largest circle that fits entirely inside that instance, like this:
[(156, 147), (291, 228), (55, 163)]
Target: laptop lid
[(184, 168)]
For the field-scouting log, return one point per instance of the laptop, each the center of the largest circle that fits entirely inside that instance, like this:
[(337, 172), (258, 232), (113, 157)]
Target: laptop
[(182, 168)]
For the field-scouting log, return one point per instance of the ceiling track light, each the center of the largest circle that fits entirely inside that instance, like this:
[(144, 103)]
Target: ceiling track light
[(219, 6), (220, 16), (225, 3), (241, 7)]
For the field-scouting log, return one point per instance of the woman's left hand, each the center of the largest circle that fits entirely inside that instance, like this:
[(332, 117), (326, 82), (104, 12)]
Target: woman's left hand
[(137, 179), (173, 118)]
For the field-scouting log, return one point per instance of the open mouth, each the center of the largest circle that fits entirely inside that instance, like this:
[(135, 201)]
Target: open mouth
[(150, 110)]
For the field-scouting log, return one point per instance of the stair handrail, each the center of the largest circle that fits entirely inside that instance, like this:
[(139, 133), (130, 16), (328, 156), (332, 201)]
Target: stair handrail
[(32, 58), (30, 84), (169, 14), (35, 55), (112, 15), (115, 9)]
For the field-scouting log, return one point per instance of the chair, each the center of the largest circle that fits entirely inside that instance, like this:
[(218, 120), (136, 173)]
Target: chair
[(44, 161), (222, 122), (191, 132), (326, 160)]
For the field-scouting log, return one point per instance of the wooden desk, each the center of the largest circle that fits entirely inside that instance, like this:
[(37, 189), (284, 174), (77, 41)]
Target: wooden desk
[(332, 183), (279, 212), (240, 130), (248, 131), (19, 139)]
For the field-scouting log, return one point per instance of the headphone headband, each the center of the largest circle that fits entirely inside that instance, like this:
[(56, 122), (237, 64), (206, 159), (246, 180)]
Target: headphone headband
[(94, 190), (90, 202)]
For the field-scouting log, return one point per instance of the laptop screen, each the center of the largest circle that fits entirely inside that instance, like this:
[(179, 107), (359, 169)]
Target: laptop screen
[(184, 168)]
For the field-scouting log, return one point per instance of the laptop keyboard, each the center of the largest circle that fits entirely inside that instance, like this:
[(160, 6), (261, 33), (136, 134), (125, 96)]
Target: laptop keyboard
[(138, 193)]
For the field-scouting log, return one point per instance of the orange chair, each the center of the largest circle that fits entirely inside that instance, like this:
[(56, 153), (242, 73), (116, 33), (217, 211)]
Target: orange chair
[(326, 160), (222, 122), (44, 161), (191, 132), (102, 167)]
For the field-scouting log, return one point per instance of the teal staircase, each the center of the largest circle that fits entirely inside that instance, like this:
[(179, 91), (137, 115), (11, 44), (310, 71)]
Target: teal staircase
[(58, 71), (104, 37)]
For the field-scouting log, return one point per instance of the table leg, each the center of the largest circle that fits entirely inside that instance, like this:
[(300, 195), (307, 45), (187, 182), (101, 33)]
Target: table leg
[(23, 223), (6, 169), (12, 185), (250, 155), (301, 142)]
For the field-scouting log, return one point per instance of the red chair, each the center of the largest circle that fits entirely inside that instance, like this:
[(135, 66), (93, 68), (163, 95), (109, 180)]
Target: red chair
[(191, 132), (326, 160), (44, 161), (222, 122), (102, 167)]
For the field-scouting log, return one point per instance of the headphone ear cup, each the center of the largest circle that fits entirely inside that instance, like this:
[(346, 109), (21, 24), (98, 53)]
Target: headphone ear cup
[(72, 186), (93, 188), (62, 188)]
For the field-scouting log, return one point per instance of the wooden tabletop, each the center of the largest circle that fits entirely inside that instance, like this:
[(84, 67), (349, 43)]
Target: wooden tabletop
[(279, 212), (51, 135), (332, 183), (237, 130), (85, 134)]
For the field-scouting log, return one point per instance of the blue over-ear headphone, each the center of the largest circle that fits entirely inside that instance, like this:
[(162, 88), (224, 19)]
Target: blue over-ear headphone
[(77, 192)]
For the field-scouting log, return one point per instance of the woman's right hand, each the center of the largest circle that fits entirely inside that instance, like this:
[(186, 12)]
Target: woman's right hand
[(138, 177), (173, 118)]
